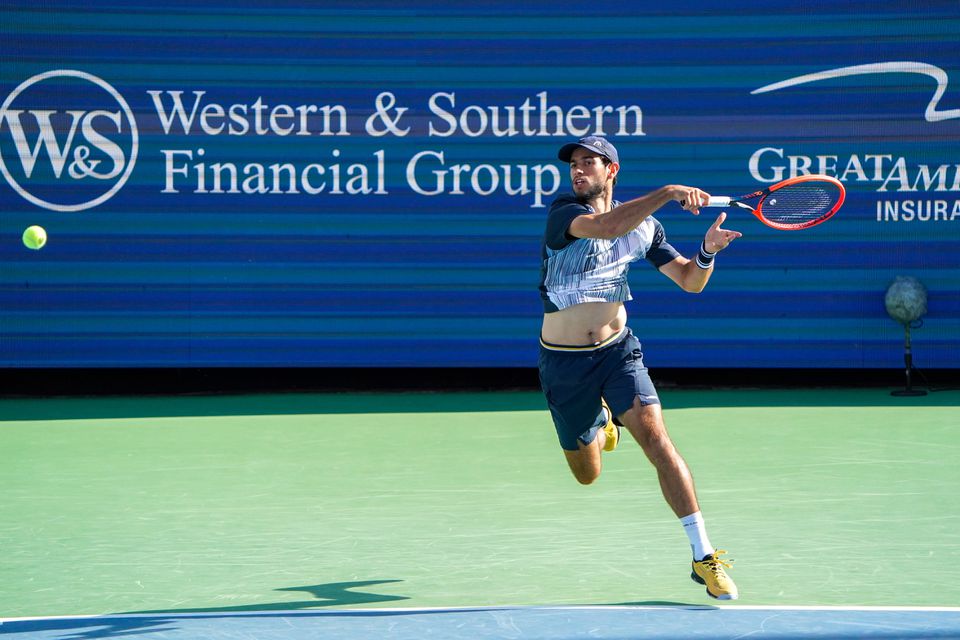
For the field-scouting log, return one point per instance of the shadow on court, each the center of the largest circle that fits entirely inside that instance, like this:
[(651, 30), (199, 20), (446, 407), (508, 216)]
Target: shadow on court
[(333, 594), (164, 621)]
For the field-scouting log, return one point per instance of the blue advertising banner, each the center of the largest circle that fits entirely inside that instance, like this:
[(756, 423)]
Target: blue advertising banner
[(365, 184)]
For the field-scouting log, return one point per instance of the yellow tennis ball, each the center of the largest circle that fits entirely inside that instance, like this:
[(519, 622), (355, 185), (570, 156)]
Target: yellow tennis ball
[(35, 237)]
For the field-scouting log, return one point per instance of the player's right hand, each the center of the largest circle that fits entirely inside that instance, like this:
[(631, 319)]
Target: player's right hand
[(691, 198)]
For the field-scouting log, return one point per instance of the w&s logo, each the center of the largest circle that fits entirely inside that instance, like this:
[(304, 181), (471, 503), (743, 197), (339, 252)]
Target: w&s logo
[(68, 140)]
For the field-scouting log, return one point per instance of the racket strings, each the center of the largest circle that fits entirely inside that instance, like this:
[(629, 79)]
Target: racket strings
[(800, 203)]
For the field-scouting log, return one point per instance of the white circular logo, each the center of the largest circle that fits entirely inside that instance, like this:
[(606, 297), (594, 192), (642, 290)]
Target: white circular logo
[(64, 145)]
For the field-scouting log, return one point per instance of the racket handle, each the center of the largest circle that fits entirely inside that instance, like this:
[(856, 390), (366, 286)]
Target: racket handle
[(714, 201)]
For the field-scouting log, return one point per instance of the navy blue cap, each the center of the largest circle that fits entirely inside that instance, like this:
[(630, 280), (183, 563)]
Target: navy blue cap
[(600, 146)]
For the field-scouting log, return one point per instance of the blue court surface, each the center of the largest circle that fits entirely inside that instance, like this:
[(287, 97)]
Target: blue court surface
[(515, 623)]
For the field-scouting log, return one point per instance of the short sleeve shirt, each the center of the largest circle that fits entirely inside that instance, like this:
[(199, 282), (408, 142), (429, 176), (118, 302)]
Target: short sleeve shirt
[(577, 270)]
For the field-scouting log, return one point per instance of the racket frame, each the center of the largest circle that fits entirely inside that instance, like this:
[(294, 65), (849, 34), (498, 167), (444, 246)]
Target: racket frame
[(762, 194)]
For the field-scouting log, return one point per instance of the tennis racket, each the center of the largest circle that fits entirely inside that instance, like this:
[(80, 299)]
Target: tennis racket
[(793, 204)]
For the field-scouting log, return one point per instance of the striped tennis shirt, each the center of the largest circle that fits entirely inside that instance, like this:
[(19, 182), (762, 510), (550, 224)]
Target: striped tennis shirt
[(578, 270)]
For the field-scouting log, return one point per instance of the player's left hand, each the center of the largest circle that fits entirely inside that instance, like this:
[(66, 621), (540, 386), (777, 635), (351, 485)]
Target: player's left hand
[(718, 239)]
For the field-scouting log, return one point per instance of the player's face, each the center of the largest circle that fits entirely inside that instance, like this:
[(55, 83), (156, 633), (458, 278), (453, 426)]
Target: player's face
[(589, 175)]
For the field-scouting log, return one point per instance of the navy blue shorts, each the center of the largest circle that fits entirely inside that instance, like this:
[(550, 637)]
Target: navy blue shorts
[(574, 379)]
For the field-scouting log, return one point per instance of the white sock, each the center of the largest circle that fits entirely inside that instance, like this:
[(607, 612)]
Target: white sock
[(697, 533)]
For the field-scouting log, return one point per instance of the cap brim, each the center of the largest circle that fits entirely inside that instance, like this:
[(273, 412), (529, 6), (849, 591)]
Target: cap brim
[(566, 151)]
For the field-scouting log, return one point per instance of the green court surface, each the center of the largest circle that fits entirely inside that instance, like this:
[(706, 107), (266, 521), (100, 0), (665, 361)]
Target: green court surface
[(294, 502)]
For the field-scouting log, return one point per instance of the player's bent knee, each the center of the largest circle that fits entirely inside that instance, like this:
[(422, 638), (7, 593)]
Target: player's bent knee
[(584, 469), (584, 473), (586, 478)]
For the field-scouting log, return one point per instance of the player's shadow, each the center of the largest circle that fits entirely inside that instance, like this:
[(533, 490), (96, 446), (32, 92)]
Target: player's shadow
[(332, 594), (662, 603), (341, 593), (162, 621)]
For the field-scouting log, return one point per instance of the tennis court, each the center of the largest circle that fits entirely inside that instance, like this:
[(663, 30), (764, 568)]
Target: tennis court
[(276, 279), (402, 515)]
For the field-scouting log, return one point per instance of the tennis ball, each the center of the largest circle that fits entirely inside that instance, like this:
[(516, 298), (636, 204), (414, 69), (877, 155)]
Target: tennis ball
[(35, 237)]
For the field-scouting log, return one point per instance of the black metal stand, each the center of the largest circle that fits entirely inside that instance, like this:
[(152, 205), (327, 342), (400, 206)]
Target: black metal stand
[(908, 362)]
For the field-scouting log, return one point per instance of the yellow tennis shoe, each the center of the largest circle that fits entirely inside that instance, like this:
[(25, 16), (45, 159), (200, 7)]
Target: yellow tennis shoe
[(612, 430), (710, 572)]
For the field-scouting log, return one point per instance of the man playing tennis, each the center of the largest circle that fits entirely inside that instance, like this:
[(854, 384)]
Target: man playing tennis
[(591, 366)]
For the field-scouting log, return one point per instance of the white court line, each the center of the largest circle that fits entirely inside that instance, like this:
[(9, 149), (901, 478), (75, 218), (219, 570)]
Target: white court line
[(466, 608)]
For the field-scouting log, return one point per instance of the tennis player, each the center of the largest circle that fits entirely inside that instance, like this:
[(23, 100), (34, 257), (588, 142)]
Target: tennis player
[(591, 366)]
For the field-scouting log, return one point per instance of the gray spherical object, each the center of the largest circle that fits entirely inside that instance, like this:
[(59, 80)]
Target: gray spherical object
[(906, 299)]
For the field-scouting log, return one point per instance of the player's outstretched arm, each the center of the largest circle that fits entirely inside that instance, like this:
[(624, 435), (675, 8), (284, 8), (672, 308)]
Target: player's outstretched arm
[(630, 214)]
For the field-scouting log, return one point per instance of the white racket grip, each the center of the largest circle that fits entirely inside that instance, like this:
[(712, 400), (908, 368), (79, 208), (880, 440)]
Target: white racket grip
[(719, 201)]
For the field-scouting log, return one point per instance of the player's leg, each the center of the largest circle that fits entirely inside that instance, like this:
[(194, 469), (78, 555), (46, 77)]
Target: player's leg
[(586, 462), (583, 421), (634, 399), (646, 425)]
